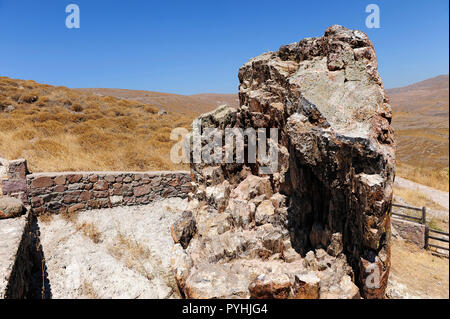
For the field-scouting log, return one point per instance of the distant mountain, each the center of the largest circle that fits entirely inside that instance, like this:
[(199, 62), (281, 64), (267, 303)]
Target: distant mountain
[(422, 104), (105, 128), (185, 104), (438, 82), (420, 115)]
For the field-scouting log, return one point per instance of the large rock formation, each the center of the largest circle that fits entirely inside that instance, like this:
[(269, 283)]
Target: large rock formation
[(318, 227)]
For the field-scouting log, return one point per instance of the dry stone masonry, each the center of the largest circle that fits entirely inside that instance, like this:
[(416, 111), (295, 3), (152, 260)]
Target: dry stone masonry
[(320, 226), (73, 191), (13, 178), (24, 196), (69, 192)]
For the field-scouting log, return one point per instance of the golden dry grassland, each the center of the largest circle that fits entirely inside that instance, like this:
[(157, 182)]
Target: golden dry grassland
[(59, 129), (420, 119), (422, 272), (423, 152), (436, 177)]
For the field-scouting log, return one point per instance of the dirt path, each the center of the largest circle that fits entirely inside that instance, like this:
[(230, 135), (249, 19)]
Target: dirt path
[(435, 195), (416, 273)]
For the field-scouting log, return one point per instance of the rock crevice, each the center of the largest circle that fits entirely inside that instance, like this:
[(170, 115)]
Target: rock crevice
[(318, 227)]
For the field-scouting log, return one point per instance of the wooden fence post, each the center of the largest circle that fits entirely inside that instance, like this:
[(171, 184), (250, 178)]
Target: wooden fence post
[(424, 222)]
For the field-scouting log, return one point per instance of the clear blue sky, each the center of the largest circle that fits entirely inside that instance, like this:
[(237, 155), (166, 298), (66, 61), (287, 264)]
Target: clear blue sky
[(193, 46)]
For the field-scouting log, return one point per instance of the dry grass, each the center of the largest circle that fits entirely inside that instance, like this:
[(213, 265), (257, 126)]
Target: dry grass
[(431, 176), (46, 218), (187, 105), (135, 256), (423, 147), (437, 224), (71, 217), (59, 129), (416, 198), (420, 119), (423, 273), (87, 229), (90, 231), (132, 253), (88, 290)]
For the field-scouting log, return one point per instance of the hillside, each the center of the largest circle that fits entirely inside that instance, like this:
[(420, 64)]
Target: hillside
[(421, 123), (183, 104), (59, 129), (115, 129)]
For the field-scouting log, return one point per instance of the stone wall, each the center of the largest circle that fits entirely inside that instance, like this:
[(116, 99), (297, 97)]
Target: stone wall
[(73, 191), (16, 256), (13, 178), (411, 231)]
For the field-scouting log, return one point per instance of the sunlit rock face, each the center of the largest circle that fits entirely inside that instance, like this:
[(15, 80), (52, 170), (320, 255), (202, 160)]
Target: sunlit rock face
[(319, 226)]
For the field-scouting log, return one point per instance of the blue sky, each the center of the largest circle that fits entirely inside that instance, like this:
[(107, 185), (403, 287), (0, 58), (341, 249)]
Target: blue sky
[(190, 47)]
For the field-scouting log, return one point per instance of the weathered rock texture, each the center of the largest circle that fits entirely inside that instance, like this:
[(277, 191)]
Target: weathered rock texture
[(75, 191), (13, 178), (16, 257), (319, 226)]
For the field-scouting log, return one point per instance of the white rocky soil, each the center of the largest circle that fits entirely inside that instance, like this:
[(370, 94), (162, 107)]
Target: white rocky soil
[(120, 252)]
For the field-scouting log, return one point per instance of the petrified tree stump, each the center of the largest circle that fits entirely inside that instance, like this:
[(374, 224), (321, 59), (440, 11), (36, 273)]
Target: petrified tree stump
[(319, 226)]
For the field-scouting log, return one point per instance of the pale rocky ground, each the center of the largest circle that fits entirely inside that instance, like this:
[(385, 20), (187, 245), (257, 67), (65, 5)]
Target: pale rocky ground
[(11, 231), (79, 268), (417, 273), (124, 255)]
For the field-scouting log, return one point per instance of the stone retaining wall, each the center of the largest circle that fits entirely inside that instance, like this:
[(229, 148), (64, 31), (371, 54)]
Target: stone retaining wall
[(73, 191), (411, 231), (13, 178)]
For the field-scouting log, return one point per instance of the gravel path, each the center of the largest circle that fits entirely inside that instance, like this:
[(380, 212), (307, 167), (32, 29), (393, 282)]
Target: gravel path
[(121, 252), (435, 195)]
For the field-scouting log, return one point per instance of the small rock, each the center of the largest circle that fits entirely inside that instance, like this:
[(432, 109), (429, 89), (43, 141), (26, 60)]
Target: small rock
[(10, 207), (184, 229), (270, 286), (306, 286), (335, 247), (264, 211)]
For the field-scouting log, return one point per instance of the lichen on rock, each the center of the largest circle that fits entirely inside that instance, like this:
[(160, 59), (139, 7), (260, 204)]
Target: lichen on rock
[(319, 226)]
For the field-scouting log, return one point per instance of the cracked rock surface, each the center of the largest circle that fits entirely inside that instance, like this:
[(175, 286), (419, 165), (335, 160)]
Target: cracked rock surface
[(319, 226)]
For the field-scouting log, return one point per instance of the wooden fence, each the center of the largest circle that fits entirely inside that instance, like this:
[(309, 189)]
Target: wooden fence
[(430, 233)]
